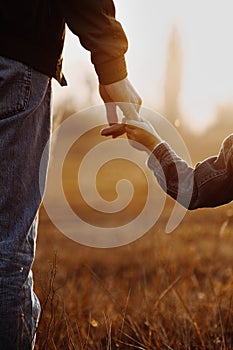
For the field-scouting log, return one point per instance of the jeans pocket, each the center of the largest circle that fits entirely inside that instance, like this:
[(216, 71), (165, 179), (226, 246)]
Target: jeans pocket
[(15, 81)]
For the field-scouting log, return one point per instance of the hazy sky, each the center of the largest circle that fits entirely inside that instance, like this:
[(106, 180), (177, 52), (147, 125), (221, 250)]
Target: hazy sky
[(206, 29)]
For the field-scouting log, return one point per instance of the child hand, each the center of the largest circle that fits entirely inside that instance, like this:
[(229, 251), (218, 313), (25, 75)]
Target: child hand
[(141, 135)]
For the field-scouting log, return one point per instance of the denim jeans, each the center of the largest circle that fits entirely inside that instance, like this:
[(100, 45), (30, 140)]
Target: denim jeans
[(24, 132)]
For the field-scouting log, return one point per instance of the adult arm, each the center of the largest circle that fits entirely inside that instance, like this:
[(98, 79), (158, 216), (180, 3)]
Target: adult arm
[(100, 33)]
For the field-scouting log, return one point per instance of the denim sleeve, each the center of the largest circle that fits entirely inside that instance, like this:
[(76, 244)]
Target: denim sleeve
[(208, 184)]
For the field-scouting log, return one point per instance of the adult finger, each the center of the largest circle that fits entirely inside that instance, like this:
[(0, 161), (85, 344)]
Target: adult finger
[(114, 130)]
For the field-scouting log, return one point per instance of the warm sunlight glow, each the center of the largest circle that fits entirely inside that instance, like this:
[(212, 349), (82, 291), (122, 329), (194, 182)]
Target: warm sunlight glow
[(205, 39)]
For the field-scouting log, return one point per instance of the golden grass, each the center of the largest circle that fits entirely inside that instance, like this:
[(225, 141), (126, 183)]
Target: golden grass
[(160, 292)]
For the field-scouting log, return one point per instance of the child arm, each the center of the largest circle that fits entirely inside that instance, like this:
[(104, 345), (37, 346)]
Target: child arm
[(208, 184)]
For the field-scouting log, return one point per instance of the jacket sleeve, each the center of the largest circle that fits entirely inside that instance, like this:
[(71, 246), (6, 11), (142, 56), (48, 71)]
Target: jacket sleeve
[(208, 184), (94, 22)]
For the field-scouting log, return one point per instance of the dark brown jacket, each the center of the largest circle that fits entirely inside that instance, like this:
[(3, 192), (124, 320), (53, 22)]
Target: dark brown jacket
[(33, 31)]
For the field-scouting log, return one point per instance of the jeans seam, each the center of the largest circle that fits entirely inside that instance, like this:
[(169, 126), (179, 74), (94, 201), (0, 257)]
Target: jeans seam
[(26, 97)]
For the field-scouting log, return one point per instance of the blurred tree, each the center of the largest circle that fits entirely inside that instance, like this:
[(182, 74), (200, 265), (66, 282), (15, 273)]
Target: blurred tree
[(173, 78)]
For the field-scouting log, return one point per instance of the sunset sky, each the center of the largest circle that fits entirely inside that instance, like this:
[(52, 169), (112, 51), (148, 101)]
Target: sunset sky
[(205, 28)]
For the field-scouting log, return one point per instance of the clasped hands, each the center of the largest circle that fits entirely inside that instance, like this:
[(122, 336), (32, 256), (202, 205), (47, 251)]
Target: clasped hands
[(140, 132)]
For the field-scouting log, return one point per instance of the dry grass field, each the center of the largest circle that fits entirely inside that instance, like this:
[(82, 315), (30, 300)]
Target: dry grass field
[(163, 291)]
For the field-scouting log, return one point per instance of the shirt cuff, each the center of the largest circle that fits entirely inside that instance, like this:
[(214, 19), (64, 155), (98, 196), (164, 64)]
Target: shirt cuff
[(112, 71), (159, 152)]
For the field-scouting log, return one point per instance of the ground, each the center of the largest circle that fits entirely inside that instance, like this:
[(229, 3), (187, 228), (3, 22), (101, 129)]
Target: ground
[(163, 291)]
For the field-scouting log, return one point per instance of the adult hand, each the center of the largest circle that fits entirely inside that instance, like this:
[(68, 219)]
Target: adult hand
[(123, 95)]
